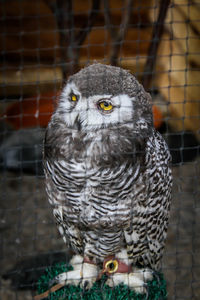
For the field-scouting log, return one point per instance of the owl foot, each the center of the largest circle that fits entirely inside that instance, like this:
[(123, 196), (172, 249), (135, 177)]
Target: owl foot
[(135, 280), (83, 273)]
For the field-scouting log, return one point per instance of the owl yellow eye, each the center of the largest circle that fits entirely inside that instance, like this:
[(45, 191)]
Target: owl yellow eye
[(73, 97), (105, 105)]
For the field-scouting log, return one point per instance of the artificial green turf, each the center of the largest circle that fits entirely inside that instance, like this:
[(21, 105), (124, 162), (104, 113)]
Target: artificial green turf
[(99, 291)]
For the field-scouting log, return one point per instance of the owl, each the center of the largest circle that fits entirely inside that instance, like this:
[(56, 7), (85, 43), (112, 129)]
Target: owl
[(108, 178)]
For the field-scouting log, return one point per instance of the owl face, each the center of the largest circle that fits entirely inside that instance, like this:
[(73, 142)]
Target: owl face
[(96, 111), (101, 96)]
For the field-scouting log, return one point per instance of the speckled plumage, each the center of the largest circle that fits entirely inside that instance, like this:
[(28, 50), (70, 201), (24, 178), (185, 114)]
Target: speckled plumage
[(107, 174)]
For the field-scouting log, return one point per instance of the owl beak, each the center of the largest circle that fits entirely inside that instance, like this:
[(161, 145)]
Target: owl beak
[(77, 124)]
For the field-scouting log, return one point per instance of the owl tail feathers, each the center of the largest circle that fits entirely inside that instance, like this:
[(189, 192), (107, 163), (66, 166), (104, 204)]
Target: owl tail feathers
[(100, 290)]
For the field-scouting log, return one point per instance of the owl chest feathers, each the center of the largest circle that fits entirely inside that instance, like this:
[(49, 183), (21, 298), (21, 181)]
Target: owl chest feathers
[(95, 187), (97, 196)]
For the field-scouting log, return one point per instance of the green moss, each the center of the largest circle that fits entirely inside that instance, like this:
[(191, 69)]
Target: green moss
[(99, 291)]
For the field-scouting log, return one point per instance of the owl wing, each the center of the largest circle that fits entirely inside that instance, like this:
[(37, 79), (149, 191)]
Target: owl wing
[(146, 236)]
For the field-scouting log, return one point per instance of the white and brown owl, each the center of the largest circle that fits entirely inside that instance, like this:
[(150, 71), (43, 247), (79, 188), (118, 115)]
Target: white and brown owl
[(108, 178)]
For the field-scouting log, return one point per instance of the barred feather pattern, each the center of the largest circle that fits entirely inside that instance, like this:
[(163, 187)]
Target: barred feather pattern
[(109, 190)]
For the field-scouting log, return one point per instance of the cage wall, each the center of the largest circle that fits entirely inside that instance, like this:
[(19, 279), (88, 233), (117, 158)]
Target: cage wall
[(44, 42)]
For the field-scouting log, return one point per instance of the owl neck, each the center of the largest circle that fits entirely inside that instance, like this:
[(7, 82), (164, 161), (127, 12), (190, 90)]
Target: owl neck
[(110, 147), (104, 147)]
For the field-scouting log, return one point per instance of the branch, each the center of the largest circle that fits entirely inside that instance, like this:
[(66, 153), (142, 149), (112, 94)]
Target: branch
[(153, 47), (107, 16), (69, 44), (121, 33), (64, 17), (86, 28)]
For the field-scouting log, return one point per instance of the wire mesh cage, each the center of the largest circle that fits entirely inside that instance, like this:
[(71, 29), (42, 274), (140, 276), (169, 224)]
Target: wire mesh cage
[(43, 42)]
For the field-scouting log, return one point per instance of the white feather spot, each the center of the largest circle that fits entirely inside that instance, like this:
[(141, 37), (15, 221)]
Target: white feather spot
[(60, 228), (135, 236)]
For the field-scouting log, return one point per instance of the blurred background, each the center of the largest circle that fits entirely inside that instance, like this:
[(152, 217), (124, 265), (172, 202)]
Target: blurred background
[(42, 43)]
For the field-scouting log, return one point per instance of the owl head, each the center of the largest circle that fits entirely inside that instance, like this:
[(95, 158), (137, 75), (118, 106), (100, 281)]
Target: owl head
[(102, 96)]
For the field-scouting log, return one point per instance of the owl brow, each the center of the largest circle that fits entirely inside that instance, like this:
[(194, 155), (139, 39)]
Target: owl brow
[(110, 99), (106, 98)]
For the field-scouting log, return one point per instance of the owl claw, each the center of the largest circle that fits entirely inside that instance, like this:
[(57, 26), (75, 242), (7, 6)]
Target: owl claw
[(89, 275), (85, 285), (84, 274), (134, 280)]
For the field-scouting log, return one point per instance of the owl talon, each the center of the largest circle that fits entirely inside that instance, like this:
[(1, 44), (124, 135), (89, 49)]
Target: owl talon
[(134, 280), (83, 273), (85, 285)]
